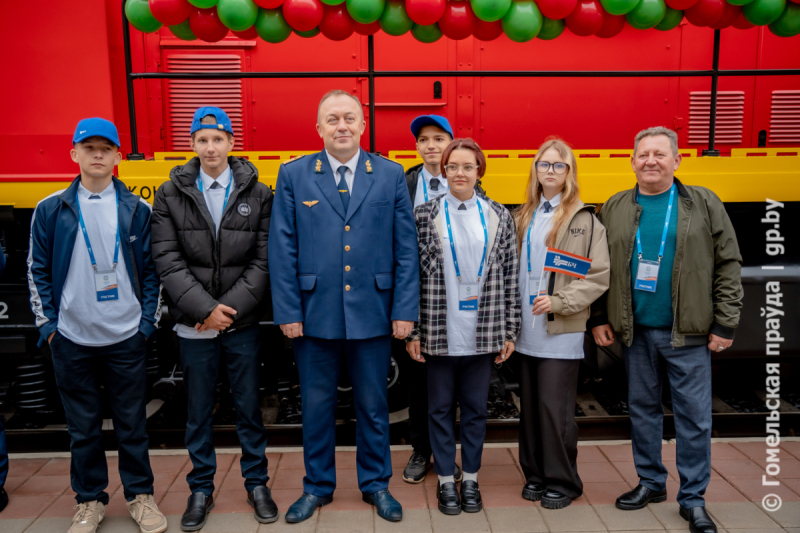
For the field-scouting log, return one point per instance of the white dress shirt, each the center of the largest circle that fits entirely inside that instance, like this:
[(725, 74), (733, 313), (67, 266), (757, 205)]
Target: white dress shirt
[(81, 318), (425, 178), (349, 174), (215, 201), (469, 239), (535, 341)]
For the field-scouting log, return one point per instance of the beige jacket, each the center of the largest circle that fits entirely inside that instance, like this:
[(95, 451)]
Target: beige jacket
[(572, 297)]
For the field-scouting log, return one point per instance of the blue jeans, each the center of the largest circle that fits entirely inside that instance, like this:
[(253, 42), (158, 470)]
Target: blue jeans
[(689, 371), (76, 368), (200, 359)]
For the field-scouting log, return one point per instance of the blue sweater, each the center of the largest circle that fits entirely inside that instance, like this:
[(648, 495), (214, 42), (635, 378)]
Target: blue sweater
[(654, 309)]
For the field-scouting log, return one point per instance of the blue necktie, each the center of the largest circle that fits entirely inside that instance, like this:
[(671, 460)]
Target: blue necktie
[(547, 207), (342, 186)]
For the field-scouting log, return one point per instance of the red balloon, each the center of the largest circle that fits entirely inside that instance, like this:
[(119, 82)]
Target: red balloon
[(556, 9), (732, 12), (425, 12), (368, 29), (248, 34), (337, 24), (681, 5), (612, 25), (303, 15), (170, 12), (458, 21), (742, 23), (705, 12), (587, 18), (206, 25), (487, 31), (269, 4)]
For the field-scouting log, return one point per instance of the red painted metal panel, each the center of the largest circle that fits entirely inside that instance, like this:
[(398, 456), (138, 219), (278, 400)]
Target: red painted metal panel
[(729, 120)]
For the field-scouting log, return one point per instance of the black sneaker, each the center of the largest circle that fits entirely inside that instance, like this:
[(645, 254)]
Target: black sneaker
[(416, 468)]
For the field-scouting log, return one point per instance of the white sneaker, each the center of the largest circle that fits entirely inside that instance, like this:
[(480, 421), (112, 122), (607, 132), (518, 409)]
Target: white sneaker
[(88, 517), (145, 512)]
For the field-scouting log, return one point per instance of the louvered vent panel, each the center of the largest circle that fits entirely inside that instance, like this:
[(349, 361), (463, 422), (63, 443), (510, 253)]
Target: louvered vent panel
[(185, 96), (730, 117), (784, 120)]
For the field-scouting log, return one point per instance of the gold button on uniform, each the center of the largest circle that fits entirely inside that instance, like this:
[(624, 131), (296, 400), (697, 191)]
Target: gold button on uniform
[(347, 287), (347, 228), (347, 268), (347, 248)]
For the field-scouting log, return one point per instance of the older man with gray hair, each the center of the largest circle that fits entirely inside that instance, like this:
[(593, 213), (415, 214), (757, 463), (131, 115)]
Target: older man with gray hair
[(674, 296)]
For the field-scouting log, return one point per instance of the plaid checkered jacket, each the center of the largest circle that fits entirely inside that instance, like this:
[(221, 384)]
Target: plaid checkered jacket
[(499, 305)]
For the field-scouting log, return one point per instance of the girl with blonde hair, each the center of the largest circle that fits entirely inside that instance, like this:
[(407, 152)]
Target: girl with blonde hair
[(553, 216)]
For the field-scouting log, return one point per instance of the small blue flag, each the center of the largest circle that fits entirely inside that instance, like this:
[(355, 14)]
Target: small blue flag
[(566, 263)]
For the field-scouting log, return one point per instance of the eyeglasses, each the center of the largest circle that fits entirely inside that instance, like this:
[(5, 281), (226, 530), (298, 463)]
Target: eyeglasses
[(558, 168), (452, 170)]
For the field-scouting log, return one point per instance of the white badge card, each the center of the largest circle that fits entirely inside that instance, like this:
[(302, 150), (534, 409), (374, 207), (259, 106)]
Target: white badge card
[(468, 296), (535, 285), (106, 285), (647, 276)]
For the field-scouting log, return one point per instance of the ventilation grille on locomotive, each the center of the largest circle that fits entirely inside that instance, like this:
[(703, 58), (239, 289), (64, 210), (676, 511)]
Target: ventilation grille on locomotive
[(784, 120), (185, 96), (730, 117)]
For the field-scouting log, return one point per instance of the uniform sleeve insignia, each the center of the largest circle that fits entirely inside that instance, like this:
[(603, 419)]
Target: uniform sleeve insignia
[(318, 167), (369, 167), (312, 203)]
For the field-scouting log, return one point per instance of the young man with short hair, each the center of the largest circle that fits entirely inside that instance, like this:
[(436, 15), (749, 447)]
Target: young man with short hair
[(96, 298), (210, 227)]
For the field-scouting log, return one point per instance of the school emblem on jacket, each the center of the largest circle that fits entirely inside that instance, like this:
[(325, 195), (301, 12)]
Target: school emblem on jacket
[(244, 210)]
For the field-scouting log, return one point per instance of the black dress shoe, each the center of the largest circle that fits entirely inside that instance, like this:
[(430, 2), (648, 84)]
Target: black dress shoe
[(3, 499), (261, 501), (639, 497), (552, 499), (416, 468), (387, 507), (699, 521), (471, 501), (533, 491), (449, 502), (197, 509), (304, 508)]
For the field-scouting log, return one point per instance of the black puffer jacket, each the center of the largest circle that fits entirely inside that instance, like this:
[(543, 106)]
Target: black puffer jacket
[(199, 270)]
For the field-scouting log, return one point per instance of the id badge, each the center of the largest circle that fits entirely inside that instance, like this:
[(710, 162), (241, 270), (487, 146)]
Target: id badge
[(106, 285), (534, 288), (468, 296), (647, 276)]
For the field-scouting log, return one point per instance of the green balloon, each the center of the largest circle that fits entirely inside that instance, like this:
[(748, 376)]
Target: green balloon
[(333, 2), (523, 21), (308, 34), (237, 15), (271, 26), (490, 10), (738, 2), (619, 7), (204, 4), (764, 12), (788, 24), (426, 34), (395, 21), (647, 14), (365, 11), (182, 31), (670, 20), (139, 15), (550, 29)]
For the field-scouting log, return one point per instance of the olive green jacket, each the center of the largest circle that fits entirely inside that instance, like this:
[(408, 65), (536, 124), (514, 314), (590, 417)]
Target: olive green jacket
[(706, 275)]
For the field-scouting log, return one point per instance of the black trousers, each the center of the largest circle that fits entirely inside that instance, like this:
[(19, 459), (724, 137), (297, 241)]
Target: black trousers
[(465, 378), (414, 376), (548, 434)]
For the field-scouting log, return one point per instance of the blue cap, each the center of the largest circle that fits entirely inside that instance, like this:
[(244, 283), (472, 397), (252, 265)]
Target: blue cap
[(96, 127), (223, 122), (430, 120)]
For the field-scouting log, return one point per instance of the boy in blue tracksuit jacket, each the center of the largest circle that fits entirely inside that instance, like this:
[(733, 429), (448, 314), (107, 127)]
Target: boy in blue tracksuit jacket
[(95, 295)]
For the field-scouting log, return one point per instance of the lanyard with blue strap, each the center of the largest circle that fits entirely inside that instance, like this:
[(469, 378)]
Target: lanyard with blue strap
[(467, 292), (533, 291), (106, 281), (227, 190), (647, 275)]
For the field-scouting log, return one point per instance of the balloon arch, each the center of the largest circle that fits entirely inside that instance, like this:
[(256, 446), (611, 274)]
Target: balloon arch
[(429, 20)]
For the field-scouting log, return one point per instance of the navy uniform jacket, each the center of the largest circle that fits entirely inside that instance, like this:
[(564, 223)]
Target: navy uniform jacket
[(344, 275)]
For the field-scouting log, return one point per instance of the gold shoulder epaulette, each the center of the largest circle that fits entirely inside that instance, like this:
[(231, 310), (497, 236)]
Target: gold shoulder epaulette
[(292, 160)]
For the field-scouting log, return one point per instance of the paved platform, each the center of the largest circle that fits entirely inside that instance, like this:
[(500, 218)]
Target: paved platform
[(42, 500)]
